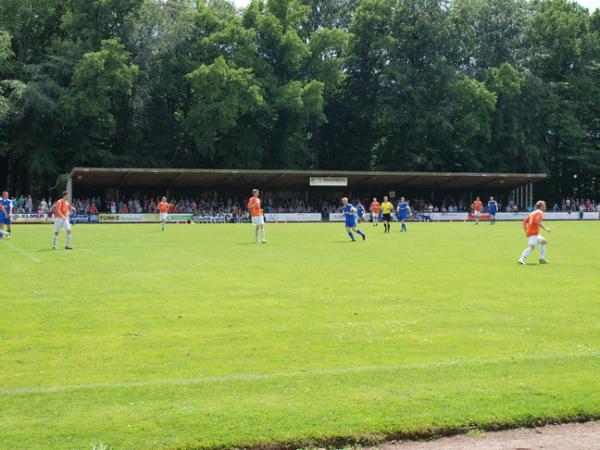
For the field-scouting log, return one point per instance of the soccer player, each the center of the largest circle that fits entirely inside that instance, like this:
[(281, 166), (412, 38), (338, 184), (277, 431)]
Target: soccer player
[(62, 210), (374, 208), (476, 207), (6, 209), (163, 208), (257, 215), (349, 212), (403, 212), (493, 209), (360, 211), (531, 226), (386, 210)]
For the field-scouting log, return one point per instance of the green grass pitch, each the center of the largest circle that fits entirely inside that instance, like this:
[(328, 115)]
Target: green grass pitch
[(198, 337)]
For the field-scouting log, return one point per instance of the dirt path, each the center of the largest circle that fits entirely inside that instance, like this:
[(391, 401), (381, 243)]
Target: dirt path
[(573, 436)]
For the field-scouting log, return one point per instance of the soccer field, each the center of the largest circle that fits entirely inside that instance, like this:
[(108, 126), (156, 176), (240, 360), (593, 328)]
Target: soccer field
[(198, 337)]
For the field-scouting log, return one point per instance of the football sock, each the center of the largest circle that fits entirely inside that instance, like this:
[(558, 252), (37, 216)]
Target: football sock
[(54, 239), (543, 251), (69, 240), (525, 254), (262, 229), (351, 235), (256, 233), (360, 232)]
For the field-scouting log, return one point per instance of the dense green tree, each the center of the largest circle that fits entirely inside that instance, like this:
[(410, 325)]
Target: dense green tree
[(97, 103), (223, 97), (490, 85)]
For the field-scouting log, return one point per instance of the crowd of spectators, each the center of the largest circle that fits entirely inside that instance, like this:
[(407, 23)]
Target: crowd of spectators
[(569, 204), (23, 204), (232, 209)]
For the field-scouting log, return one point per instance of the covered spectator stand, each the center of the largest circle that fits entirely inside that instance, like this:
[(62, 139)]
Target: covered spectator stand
[(116, 182)]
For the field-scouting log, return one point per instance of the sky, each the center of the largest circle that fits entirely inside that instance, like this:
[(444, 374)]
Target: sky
[(590, 4)]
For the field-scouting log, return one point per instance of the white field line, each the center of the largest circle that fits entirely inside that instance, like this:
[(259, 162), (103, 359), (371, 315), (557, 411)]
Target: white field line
[(4, 392), (22, 252)]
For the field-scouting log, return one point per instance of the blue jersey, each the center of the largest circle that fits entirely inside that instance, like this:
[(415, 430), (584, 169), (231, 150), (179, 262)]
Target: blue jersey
[(360, 210), (8, 205), (492, 206), (403, 209), (349, 212)]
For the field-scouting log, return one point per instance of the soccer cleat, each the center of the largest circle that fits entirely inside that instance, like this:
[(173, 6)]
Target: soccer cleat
[(54, 247), (264, 242), (364, 236), (521, 262), (68, 247), (543, 261)]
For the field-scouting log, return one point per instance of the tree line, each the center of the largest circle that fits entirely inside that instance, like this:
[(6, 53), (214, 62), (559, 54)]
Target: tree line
[(408, 85)]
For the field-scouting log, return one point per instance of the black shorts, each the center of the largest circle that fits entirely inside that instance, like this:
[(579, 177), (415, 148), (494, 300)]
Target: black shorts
[(387, 217)]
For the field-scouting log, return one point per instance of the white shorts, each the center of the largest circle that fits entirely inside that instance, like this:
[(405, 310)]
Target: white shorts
[(477, 213), (163, 217), (258, 220), (534, 240), (60, 224)]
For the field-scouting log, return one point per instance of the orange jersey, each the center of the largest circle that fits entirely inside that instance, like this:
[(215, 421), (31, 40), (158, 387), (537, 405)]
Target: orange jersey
[(254, 207), (163, 207), (477, 205), (62, 209), (375, 207), (532, 223)]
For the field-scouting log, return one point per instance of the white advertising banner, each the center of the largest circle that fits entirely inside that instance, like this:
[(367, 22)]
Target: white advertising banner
[(447, 217), (550, 215), (31, 218), (328, 181), (293, 217), (336, 217), (511, 216), (339, 217), (561, 216), (128, 218)]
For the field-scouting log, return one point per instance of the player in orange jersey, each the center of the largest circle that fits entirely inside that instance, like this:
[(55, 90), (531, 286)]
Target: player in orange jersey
[(374, 208), (62, 210), (163, 208), (531, 226), (257, 215), (476, 207)]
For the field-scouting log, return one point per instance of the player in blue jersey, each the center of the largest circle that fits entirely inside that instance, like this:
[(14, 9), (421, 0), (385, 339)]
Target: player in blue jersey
[(492, 209), (403, 211), (6, 209), (349, 212), (360, 212)]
